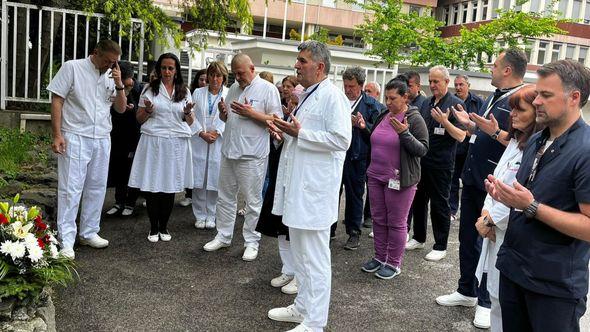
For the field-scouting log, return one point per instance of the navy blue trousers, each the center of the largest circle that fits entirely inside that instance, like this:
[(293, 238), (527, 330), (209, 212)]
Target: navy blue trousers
[(353, 180)]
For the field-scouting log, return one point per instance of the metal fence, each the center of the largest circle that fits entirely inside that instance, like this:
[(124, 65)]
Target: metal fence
[(35, 41)]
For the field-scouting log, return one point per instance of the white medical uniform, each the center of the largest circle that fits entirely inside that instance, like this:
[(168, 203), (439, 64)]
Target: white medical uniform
[(163, 161), (244, 151), (506, 171), (85, 126), (308, 181), (206, 157)]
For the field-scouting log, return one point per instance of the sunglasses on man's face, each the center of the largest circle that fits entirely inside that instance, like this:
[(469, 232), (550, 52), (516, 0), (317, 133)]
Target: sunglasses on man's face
[(167, 68)]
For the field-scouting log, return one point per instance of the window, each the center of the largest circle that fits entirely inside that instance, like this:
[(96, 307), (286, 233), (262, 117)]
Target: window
[(446, 15), (583, 54), (464, 5), (495, 4), (415, 9), (562, 7), (569, 51), (455, 14), (535, 4), (358, 5), (474, 12), (484, 10), (587, 13), (555, 52), (541, 54), (576, 9), (328, 3)]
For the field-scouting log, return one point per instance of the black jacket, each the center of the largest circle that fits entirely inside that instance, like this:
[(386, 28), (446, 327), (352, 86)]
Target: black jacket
[(370, 109)]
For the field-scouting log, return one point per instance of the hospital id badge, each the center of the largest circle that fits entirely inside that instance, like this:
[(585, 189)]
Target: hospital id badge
[(393, 184), (439, 131), (472, 139)]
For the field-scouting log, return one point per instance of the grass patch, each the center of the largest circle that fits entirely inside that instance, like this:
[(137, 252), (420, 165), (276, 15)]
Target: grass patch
[(17, 149)]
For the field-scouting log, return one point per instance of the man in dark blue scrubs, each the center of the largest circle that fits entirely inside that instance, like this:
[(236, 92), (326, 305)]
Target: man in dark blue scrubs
[(484, 153), (544, 258)]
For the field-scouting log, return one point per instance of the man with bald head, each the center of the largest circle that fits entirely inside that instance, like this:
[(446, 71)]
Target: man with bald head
[(250, 102), (373, 89)]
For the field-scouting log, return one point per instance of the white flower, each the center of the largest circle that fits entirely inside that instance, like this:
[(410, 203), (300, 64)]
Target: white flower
[(31, 240), (19, 230), (54, 251), (52, 239), (14, 249), (18, 213), (35, 252)]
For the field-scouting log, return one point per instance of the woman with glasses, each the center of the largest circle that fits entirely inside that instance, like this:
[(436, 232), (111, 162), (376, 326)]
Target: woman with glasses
[(163, 161)]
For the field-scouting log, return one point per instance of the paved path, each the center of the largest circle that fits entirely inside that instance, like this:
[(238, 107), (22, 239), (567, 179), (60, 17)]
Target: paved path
[(134, 285)]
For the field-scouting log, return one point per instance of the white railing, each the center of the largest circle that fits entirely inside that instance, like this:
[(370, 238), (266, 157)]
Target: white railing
[(48, 44)]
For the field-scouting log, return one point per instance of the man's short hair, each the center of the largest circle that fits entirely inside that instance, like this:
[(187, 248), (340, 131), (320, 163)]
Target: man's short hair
[(126, 70), (354, 73), (319, 52), (574, 76), (377, 86), (109, 46), (443, 70), (413, 75), (465, 77), (516, 59)]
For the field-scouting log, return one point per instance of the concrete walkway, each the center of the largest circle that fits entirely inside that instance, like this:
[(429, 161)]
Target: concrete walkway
[(135, 285)]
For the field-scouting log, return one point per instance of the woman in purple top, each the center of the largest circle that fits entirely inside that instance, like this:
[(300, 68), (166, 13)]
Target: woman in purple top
[(398, 139)]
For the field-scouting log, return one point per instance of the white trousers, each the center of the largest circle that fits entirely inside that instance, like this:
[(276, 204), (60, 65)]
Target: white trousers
[(82, 172), (204, 204), (286, 256), (495, 315), (247, 177), (313, 270)]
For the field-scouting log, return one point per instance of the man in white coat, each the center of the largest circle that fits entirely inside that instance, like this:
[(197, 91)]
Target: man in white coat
[(82, 94), (245, 149), (316, 138)]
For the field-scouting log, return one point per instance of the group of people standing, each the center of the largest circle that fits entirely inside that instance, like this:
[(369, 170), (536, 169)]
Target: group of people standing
[(289, 155)]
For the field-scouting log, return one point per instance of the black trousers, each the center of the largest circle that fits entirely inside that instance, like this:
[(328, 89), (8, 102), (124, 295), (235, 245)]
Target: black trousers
[(454, 197), (434, 186), (472, 200), (126, 196), (159, 207), (523, 310), (353, 180)]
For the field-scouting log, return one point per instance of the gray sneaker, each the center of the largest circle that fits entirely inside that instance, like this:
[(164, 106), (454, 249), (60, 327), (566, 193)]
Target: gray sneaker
[(353, 242), (387, 272), (371, 266)]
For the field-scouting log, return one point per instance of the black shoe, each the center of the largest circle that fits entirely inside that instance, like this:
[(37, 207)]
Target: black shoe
[(368, 223), (353, 242)]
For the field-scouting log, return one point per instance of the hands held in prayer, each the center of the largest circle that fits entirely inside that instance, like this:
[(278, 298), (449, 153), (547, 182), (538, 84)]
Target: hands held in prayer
[(209, 136), (461, 115), (399, 127), (222, 110), (243, 109), (274, 131), (358, 121), (483, 229), (440, 116), (289, 128), (518, 197), (488, 126)]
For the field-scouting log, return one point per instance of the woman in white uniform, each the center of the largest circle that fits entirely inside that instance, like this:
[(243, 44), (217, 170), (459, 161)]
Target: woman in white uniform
[(163, 164), (206, 145), (493, 222)]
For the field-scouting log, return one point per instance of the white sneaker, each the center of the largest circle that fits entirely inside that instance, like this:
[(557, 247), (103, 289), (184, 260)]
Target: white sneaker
[(165, 237), (186, 201), (435, 255), (68, 253), (281, 280), (214, 245), (290, 288), (210, 224), (95, 242), (114, 210), (127, 212), (200, 224), (371, 235), (153, 238), (482, 317), (413, 245), (250, 254), (301, 328), (456, 299), (287, 314)]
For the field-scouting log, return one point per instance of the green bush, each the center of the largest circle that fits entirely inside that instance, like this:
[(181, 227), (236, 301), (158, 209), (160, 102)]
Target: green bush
[(15, 150)]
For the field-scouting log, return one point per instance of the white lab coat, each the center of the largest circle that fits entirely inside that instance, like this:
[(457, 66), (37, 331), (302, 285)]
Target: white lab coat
[(206, 162), (310, 168)]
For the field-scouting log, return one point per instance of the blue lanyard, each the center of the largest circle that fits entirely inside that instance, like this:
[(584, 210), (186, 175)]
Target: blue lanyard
[(301, 103), (212, 101)]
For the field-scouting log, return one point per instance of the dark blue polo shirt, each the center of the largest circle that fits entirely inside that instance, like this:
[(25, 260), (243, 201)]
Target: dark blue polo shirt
[(483, 155), (473, 103), (441, 153), (418, 101), (534, 255)]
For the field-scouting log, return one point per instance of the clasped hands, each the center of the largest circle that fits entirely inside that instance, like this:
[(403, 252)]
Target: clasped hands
[(209, 136), (277, 127)]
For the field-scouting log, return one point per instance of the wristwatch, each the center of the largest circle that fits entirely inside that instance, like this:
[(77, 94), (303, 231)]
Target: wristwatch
[(531, 211), (487, 221), (496, 134), (118, 88)]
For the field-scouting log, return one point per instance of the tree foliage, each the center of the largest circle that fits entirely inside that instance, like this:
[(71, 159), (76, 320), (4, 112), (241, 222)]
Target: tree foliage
[(399, 37)]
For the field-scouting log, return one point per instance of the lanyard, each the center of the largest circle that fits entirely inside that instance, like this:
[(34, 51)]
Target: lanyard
[(301, 103), (357, 101), (506, 95), (538, 156), (211, 101)]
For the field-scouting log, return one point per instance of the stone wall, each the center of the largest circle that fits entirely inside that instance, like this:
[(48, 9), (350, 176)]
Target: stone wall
[(27, 316)]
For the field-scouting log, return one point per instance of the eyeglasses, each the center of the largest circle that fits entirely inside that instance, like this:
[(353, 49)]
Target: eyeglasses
[(167, 68)]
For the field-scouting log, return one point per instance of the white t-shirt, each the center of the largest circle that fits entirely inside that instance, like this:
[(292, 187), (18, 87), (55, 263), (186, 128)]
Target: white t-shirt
[(246, 138), (88, 97), (166, 119)]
